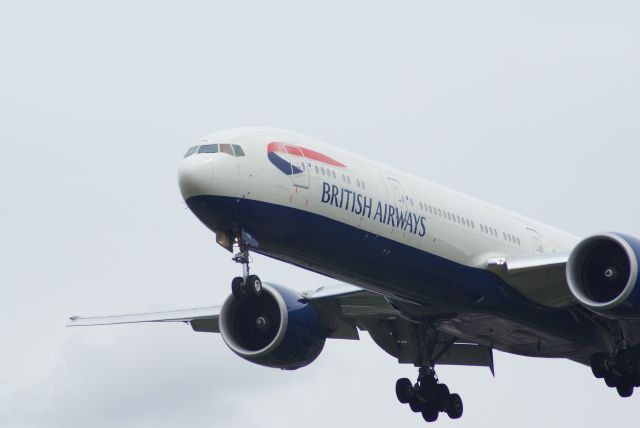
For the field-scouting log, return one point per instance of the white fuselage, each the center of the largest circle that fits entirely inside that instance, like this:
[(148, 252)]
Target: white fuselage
[(458, 227)]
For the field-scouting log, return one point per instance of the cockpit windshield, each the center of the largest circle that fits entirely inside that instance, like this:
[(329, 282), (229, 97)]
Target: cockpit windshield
[(191, 151), (233, 150), (208, 148)]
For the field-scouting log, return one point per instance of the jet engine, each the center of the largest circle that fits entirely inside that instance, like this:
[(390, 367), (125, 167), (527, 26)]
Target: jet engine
[(602, 273), (276, 329)]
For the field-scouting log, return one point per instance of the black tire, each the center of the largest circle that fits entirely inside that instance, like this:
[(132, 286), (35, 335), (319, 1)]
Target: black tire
[(430, 413), (599, 365), (455, 407), (416, 405), (626, 365), (625, 390), (404, 390), (238, 289), (442, 396), (254, 285), (611, 381)]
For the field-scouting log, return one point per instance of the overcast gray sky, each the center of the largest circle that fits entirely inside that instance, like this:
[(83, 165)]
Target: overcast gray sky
[(530, 105)]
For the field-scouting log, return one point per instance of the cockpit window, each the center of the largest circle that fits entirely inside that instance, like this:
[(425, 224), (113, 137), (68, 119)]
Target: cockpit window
[(234, 150), (208, 148), (238, 150), (191, 151), (226, 148)]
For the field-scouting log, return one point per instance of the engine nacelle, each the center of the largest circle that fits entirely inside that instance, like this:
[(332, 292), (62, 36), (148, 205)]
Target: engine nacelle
[(277, 329), (602, 273)]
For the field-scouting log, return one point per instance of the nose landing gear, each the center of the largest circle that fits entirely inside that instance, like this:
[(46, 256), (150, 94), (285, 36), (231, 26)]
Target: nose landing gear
[(246, 285), (428, 396)]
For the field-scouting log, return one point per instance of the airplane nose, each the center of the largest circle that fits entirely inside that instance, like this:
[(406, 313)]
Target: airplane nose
[(195, 176)]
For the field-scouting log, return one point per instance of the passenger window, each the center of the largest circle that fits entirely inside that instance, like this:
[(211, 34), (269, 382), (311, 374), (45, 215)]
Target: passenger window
[(348, 179), (239, 152), (323, 171), (317, 170), (333, 174), (363, 185), (411, 201), (191, 151), (357, 182), (449, 215), (518, 240), (208, 148), (344, 180), (226, 148)]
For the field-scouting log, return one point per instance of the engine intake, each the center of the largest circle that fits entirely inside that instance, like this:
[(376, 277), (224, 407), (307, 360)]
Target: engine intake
[(277, 329), (602, 273)]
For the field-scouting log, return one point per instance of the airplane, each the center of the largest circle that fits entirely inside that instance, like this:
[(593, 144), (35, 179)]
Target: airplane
[(434, 276)]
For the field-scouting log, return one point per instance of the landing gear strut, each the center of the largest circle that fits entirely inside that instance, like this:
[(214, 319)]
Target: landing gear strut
[(620, 370), (246, 285), (428, 396)]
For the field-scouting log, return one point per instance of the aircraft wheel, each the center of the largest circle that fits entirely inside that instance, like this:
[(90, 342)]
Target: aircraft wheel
[(430, 413), (254, 285), (598, 365), (611, 381), (416, 405), (625, 390), (455, 408), (404, 390), (442, 394), (238, 289)]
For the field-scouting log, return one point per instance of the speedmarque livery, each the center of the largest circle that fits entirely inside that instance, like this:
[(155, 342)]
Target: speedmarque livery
[(434, 276)]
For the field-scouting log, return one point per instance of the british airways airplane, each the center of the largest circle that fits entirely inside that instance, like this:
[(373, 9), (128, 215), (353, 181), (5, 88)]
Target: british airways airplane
[(433, 275)]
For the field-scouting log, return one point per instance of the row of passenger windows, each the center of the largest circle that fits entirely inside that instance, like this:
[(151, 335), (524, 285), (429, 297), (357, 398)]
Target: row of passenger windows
[(465, 222), (511, 238), (446, 214), (230, 149), (326, 172)]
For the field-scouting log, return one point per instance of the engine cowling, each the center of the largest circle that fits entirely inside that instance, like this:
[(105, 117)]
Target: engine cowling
[(277, 329), (602, 273)]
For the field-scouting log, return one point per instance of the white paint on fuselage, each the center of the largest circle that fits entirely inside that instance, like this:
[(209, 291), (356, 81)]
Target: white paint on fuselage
[(254, 177)]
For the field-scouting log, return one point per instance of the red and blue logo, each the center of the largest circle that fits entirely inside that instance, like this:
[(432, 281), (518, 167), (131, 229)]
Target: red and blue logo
[(290, 159)]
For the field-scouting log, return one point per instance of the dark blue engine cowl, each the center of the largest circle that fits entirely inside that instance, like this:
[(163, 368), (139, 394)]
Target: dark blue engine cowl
[(602, 273), (277, 329)]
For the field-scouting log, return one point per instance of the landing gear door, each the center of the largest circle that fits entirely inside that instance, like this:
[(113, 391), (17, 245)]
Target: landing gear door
[(536, 241), (299, 170)]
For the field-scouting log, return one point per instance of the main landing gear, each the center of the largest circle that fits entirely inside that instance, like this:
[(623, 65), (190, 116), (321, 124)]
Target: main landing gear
[(246, 285), (620, 370), (428, 396)]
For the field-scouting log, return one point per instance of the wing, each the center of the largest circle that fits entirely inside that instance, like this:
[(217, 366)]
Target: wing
[(201, 319), (345, 309), (350, 309), (541, 278)]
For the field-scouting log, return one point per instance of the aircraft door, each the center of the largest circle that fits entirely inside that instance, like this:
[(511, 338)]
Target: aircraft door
[(300, 170), (536, 241), (399, 202)]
